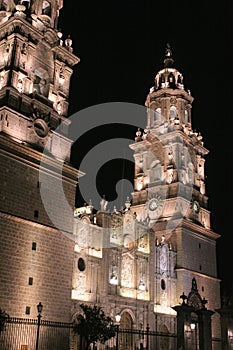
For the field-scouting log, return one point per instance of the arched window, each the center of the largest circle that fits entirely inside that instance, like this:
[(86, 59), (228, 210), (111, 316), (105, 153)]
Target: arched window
[(171, 79), (26, 3), (173, 113), (46, 8), (179, 80), (186, 116), (164, 340), (41, 81), (157, 114), (126, 339)]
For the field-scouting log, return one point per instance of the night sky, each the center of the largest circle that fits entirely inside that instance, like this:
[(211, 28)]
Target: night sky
[(121, 45)]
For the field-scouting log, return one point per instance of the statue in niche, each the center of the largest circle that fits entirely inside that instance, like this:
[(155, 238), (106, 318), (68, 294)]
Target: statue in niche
[(80, 282), (59, 108), (40, 85), (141, 242), (127, 271), (24, 48), (183, 176), (46, 8), (113, 274), (20, 85), (7, 54), (200, 169), (2, 80), (170, 173)]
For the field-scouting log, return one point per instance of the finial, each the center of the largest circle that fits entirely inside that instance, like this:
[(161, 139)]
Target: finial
[(138, 135), (168, 61), (204, 302), (127, 203), (68, 43), (183, 297), (168, 52)]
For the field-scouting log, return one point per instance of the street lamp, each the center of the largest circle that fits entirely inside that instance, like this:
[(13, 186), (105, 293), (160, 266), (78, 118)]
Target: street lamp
[(39, 309), (118, 319)]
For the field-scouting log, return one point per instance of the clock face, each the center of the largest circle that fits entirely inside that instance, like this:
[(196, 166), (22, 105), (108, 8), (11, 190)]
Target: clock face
[(153, 204), (40, 127)]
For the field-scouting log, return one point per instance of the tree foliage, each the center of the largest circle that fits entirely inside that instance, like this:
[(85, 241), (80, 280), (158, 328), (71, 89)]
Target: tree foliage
[(3, 318), (93, 325)]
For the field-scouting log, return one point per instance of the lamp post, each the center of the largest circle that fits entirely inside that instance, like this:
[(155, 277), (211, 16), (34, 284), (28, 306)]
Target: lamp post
[(118, 319), (193, 327), (39, 309)]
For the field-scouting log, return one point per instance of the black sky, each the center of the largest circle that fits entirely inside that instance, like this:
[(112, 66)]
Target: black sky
[(121, 45)]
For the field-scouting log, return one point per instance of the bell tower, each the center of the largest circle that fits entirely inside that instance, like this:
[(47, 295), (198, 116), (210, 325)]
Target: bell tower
[(35, 71), (36, 65), (169, 185)]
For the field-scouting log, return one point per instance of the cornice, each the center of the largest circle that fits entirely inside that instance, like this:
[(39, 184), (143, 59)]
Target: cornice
[(198, 274), (17, 219), (190, 225), (33, 158)]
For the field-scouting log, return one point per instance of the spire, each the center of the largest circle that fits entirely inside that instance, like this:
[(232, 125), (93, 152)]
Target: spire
[(168, 61)]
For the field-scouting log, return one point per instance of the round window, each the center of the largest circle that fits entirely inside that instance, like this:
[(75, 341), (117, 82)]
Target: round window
[(163, 285), (81, 264)]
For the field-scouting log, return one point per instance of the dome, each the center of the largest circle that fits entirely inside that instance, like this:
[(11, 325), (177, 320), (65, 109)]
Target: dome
[(168, 77)]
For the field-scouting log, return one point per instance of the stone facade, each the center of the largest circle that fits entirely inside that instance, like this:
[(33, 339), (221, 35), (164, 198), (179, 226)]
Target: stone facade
[(135, 262), (152, 250), (37, 249)]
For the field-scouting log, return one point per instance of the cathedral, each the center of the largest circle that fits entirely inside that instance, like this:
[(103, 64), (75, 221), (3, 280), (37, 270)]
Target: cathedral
[(148, 262)]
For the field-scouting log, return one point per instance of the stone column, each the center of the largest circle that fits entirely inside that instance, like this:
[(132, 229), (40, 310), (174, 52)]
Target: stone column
[(205, 331), (183, 317)]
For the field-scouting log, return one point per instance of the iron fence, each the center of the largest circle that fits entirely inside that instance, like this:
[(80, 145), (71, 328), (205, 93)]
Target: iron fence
[(134, 339), (21, 334)]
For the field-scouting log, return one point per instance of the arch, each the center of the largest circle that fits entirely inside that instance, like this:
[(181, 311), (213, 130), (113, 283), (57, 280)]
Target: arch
[(164, 340), (171, 79), (190, 173), (46, 8), (158, 114), (41, 81), (173, 113), (186, 116), (162, 78), (179, 79), (126, 339)]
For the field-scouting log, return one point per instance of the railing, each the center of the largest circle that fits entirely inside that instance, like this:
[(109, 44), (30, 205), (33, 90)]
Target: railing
[(20, 333), (134, 339)]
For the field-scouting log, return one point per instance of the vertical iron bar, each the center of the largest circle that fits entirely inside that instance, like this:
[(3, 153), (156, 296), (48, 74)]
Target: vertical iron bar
[(147, 336), (117, 336), (38, 331)]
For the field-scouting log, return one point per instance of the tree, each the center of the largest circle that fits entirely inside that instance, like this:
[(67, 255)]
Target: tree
[(3, 318), (93, 326)]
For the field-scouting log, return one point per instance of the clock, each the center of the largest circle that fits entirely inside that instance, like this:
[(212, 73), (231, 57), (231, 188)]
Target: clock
[(40, 127), (153, 205)]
